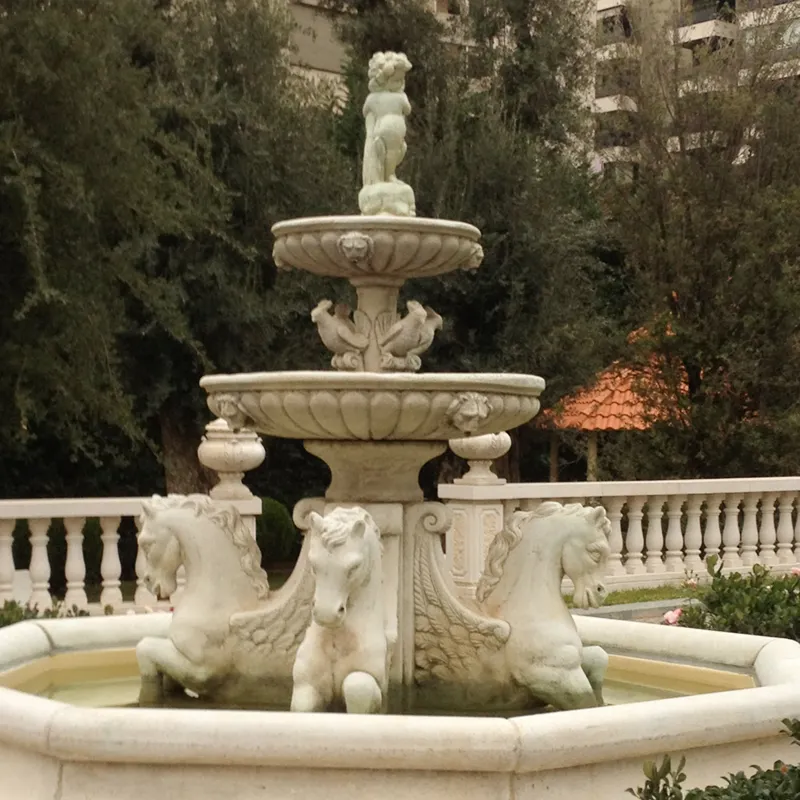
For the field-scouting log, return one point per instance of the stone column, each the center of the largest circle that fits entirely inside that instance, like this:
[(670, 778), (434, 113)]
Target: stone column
[(475, 523)]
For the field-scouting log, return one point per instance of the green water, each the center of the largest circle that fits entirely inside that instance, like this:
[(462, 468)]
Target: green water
[(124, 693)]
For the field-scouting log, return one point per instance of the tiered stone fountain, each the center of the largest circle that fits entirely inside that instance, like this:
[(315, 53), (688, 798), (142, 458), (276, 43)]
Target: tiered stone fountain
[(376, 627), (376, 422)]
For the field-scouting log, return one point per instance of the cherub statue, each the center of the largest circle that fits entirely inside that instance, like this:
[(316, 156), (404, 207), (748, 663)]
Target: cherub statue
[(340, 335), (385, 110)]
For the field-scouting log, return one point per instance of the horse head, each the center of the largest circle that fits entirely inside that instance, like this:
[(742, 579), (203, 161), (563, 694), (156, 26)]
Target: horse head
[(161, 550), (584, 556), (206, 537), (342, 552)]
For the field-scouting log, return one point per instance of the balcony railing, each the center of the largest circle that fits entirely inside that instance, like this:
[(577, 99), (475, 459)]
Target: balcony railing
[(116, 517), (614, 129), (661, 530)]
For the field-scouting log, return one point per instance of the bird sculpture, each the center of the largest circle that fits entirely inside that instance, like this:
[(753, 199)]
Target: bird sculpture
[(339, 334), (433, 322), (408, 337)]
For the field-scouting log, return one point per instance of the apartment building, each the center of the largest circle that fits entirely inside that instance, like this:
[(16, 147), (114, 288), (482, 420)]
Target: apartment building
[(693, 27), (318, 52)]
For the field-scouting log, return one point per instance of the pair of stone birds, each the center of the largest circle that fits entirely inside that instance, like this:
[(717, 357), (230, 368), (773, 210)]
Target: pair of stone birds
[(411, 335)]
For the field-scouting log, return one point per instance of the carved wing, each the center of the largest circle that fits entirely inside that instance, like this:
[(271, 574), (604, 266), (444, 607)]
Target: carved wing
[(393, 332), (347, 333), (384, 323), (277, 629), (452, 641)]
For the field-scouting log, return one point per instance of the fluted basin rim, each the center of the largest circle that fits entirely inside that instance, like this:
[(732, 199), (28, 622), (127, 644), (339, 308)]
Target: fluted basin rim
[(525, 385), (375, 223)]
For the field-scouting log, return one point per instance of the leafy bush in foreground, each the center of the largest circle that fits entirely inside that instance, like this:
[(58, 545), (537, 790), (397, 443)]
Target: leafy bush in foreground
[(781, 782)]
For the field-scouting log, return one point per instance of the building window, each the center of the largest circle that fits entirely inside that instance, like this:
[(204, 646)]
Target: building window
[(452, 7), (613, 28), (696, 11), (614, 129)]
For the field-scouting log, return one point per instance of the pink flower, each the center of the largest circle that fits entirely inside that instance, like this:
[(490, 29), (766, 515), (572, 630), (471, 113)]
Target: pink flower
[(672, 617), (690, 583), (795, 570)]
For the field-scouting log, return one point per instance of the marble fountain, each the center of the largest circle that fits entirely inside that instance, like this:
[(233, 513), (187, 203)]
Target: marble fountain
[(504, 695)]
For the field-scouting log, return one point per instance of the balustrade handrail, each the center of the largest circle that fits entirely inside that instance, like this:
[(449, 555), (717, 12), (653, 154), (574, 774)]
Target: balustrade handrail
[(72, 507), (600, 489)]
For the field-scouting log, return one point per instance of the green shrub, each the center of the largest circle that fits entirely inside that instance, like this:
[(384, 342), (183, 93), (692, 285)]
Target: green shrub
[(276, 534), (758, 603), (12, 612), (781, 782)]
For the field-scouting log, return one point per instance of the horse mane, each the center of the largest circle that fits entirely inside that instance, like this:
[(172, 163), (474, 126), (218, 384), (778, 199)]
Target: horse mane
[(510, 537), (227, 518), (339, 524)]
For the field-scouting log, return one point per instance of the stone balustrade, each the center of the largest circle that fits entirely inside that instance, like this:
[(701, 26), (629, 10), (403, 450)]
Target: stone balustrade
[(32, 586), (660, 530)]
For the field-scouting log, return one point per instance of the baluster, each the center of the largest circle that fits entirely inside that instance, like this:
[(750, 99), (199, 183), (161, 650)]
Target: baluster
[(797, 534), (750, 530), (694, 533), (655, 535), (674, 539), (110, 566), (40, 565), (730, 533), (712, 536), (7, 568), (634, 541), (785, 529), (142, 597), (75, 567), (615, 538), (766, 533)]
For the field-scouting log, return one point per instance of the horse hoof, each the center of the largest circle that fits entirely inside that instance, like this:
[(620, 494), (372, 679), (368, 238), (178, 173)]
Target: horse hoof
[(361, 694)]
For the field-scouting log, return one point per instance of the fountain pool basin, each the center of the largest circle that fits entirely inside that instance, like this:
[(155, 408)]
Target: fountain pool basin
[(718, 698)]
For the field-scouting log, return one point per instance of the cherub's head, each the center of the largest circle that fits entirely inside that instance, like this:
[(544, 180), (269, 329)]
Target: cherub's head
[(387, 72)]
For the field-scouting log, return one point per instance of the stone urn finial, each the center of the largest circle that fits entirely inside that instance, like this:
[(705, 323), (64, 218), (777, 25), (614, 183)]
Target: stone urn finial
[(230, 454), (479, 453)]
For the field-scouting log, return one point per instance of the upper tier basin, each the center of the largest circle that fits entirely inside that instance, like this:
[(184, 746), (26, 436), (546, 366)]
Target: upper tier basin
[(365, 406), (391, 248)]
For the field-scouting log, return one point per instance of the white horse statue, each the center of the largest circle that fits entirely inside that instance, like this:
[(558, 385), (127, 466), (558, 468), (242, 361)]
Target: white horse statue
[(522, 585), (230, 639), (520, 642), (344, 656)]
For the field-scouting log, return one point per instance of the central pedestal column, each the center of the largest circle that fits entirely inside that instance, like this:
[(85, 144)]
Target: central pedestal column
[(383, 478)]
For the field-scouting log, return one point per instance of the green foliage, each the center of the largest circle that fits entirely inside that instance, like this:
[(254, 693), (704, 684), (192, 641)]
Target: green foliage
[(145, 150), (663, 781), (486, 145), (757, 603), (709, 246), (276, 535), (12, 612), (781, 782)]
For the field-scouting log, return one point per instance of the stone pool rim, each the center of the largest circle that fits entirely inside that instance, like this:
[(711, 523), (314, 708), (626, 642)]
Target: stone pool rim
[(461, 744)]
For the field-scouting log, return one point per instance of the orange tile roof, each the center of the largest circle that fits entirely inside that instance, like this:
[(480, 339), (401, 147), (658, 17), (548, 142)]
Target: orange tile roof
[(612, 403)]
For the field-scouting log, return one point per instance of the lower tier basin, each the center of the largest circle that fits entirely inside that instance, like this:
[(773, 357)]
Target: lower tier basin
[(366, 406), (718, 698)]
